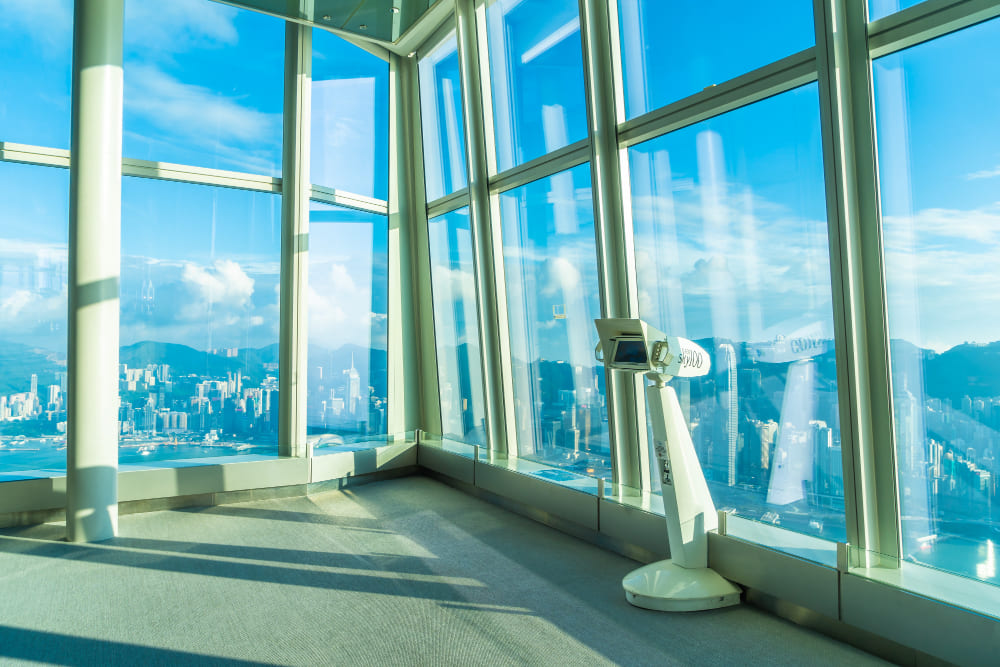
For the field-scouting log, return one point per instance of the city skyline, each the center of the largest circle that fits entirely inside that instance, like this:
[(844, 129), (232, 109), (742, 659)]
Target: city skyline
[(729, 217)]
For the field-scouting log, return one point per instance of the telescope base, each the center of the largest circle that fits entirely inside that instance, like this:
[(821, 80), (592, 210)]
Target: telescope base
[(664, 586)]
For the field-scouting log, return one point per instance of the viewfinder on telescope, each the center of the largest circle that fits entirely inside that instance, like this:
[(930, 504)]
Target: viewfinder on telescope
[(630, 351), (632, 346)]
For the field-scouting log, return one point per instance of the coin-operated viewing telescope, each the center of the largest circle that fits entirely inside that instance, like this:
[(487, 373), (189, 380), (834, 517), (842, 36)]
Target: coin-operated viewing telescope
[(684, 582)]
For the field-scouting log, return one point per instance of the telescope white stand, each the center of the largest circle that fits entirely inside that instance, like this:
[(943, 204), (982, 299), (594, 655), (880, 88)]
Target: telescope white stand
[(684, 582)]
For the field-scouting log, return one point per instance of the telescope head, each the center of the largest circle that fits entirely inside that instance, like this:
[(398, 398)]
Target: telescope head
[(631, 345)]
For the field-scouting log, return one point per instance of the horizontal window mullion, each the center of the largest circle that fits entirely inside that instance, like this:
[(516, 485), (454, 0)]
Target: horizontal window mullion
[(926, 21), (166, 171), (349, 200), (778, 77), (38, 155), (552, 163), (448, 203)]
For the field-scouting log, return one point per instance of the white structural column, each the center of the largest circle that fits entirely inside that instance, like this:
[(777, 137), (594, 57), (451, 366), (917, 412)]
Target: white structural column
[(482, 231), (615, 247), (94, 265), (294, 331), (413, 385), (858, 281)]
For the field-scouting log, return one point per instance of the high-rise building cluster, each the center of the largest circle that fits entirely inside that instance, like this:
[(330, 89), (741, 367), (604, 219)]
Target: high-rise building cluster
[(37, 414), (155, 404), (340, 403)]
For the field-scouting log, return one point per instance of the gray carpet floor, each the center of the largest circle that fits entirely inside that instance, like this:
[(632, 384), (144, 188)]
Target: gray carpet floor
[(401, 572)]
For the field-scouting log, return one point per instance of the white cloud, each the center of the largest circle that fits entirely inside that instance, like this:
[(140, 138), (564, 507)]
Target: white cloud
[(339, 309), (20, 250), (12, 304), (34, 316), (564, 277), (457, 283), (340, 280), (48, 21), (985, 173), (225, 288), (934, 226), (195, 111), (179, 25)]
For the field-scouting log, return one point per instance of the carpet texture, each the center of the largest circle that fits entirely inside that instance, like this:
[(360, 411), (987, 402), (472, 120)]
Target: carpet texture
[(401, 572)]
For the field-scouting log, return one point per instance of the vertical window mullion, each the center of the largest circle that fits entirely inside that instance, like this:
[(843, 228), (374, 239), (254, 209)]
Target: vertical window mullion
[(615, 247), (858, 281)]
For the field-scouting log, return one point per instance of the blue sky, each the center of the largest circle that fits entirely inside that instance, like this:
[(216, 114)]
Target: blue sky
[(443, 121), (203, 86), (939, 162), (348, 277), (730, 223), (455, 318), (219, 289), (674, 49), (536, 77)]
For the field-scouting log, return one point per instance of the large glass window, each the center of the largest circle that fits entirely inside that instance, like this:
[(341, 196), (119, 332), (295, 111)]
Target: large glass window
[(203, 85), (348, 302), (198, 373), (939, 172), (550, 267), (36, 48), (674, 49), (456, 329), (442, 120), (33, 280), (732, 253), (350, 117), (536, 65)]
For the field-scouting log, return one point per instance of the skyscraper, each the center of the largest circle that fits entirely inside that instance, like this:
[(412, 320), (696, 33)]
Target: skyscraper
[(729, 403), (353, 389)]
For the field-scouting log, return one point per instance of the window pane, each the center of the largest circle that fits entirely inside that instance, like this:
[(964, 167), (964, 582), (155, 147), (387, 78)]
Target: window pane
[(203, 85), (731, 252), (350, 117), (456, 328), (939, 172), (33, 274), (442, 120), (536, 67), (199, 321), (550, 267), (348, 302), (881, 8), (674, 49), (36, 49)]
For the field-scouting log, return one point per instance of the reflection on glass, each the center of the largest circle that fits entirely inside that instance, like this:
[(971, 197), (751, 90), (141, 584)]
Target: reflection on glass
[(536, 67), (348, 302), (731, 252), (939, 169), (442, 120), (36, 49), (203, 85), (33, 279), (674, 49), (198, 365), (456, 328), (880, 8), (350, 117), (550, 267)]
